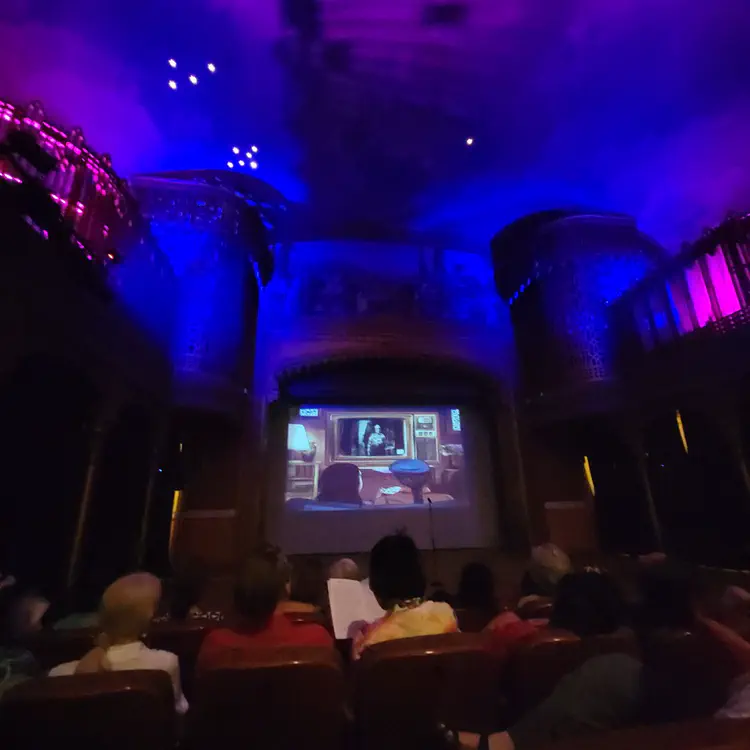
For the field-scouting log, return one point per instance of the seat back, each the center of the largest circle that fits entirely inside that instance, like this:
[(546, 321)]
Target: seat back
[(541, 662), (404, 688), (309, 618), (286, 698), (706, 734), (183, 638), (129, 710)]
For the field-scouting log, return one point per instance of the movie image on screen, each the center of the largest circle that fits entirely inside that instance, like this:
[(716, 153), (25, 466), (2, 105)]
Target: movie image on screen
[(346, 458)]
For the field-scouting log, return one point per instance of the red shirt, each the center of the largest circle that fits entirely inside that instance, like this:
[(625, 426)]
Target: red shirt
[(225, 645)]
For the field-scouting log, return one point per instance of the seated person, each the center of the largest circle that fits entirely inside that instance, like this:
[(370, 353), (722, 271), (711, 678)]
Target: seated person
[(398, 583), (17, 663), (306, 588), (125, 613), (603, 693), (476, 596), (666, 597), (345, 569), (340, 484), (587, 604), (476, 588), (258, 591), (546, 568)]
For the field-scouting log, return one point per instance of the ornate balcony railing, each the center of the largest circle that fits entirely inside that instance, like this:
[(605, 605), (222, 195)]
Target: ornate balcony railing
[(93, 200), (703, 292)]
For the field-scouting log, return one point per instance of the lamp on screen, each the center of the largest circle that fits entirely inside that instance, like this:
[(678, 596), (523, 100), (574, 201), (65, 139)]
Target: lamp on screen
[(298, 443), (297, 439)]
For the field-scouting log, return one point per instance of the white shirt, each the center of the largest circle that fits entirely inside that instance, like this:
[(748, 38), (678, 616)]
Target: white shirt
[(138, 656)]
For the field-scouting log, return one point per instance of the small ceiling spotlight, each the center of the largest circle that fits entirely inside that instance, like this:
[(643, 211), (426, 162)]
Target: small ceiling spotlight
[(469, 141), (172, 63), (235, 150), (254, 149), (172, 85), (249, 155), (230, 164), (253, 165), (211, 68), (193, 79), (241, 163)]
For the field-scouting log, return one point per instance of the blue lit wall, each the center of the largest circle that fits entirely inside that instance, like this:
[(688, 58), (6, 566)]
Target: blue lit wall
[(210, 308)]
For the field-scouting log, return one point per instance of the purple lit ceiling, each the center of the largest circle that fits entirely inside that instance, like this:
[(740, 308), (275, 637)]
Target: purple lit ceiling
[(363, 107)]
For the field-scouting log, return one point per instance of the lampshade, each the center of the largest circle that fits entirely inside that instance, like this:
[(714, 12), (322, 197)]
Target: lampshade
[(297, 438)]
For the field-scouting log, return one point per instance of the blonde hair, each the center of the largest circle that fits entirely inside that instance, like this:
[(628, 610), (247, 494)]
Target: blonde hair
[(125, 612)]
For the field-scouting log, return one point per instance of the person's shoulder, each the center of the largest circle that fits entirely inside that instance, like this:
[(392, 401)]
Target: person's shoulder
[(159, 659), (61, 670)]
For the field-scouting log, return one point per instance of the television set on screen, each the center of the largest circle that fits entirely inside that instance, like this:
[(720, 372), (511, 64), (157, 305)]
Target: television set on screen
[(374, 458)]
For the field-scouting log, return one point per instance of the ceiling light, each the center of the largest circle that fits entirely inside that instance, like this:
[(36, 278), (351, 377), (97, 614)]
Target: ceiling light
[(469, 141), (235, 150), (253, 165), (254, 149), (249, 155), (172, 63), (230, 165), (241, 163), (173, 85), (211, 68), (193, 80)]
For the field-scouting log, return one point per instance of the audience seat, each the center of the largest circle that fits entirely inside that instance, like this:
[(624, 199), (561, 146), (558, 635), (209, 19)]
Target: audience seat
[(286, 698), (539, 663), (706, 734), (183, 638), (404, 688), (53, 647), (131, 710)]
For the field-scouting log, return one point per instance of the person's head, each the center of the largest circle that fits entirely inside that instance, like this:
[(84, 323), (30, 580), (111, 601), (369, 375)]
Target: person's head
[(345, 568), (396, 570), (666, 594), (127, 607), (262, 583), (308, 584), (548, 565), (377, 428), (587, 604), (340, 483), (125, 613), (476, 588)]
